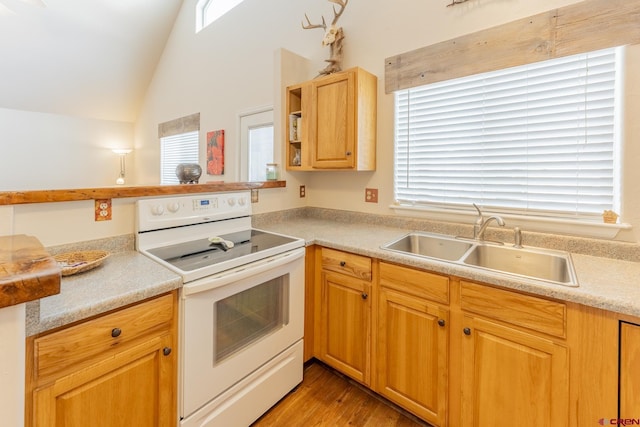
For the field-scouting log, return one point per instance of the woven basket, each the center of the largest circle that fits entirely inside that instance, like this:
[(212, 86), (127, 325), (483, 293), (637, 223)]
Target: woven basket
[(77, 262)]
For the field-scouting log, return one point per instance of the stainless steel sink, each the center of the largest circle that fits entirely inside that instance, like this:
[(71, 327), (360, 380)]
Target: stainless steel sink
[(547, 265), (430, 245), (532, 263)]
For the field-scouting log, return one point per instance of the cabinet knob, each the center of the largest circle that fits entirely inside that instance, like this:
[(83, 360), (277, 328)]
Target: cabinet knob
[(467, 331), (115, 332), (348, 153), (441, 322), (166, 351), (365, 295), (343, 263)]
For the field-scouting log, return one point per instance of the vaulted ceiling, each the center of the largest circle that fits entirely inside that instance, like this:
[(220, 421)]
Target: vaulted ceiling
[(87, 58)]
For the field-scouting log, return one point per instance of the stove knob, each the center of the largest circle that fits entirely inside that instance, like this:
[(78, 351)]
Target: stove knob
[(157, 210), (173, 207), (241, 201), (231, 201)]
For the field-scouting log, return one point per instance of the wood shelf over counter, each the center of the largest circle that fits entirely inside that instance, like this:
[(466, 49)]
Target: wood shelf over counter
[(27, 271), (70, 195)]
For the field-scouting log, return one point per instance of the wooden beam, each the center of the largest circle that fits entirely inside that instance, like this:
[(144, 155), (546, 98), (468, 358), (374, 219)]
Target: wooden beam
[(582, 27), (48, 196)]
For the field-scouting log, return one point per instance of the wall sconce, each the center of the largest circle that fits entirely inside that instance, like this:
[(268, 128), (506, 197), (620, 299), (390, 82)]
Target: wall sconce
[(122, 152)]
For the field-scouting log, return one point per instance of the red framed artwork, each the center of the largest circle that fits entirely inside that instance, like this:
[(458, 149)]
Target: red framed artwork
[(215, 152)]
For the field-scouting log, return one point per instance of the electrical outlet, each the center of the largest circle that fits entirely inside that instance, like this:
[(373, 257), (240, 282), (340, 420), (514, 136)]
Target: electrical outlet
[(103, 209), (371, 195), (254, 195), (303, 191)]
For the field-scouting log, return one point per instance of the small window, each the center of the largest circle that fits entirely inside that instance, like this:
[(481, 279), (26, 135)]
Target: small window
[(536, 140), (176, 149), (257, 147), (208, 11)]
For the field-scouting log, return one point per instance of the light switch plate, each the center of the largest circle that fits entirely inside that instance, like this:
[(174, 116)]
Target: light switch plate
[(254, 195)]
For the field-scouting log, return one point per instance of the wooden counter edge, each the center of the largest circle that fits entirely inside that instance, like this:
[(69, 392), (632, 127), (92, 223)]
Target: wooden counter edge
[(27, 271)]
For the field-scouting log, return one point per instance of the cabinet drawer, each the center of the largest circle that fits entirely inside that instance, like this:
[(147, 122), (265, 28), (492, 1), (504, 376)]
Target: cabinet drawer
[(342, 262), (71, 348), (538, 314), (415, 282)]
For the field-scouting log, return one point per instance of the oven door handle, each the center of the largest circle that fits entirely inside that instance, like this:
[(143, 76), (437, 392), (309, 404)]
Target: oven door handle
[(233, 275)]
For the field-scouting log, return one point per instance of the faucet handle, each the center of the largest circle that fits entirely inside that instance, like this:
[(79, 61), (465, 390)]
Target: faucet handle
[(517, 237)]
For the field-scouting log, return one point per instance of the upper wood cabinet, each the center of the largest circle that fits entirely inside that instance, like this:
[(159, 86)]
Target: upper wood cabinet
[(331, 122)]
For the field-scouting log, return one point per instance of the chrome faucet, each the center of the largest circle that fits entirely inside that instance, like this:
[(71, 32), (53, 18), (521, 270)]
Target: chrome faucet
[(478, 223), (485, 224)]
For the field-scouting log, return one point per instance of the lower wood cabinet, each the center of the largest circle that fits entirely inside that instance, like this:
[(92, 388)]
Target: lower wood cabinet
[(629, 371), (510, 377), (345, 325), (515, 362), (459, 354), (114, 370), (412, 357)]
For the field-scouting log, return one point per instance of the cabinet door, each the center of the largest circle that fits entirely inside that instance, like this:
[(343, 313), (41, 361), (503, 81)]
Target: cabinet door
[(333, 122), (132, 388), (412, 344), (512, 377), (346, 325), (629, 370)]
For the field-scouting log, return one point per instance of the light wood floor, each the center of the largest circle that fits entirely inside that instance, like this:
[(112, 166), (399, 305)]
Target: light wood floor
[(326, 398)]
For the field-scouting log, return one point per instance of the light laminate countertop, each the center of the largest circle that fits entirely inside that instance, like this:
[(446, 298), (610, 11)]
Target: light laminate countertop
[(605, 283), (124, 278), (127, 277)]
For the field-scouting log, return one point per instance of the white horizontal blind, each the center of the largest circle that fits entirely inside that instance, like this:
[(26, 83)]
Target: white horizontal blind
[(176, 149), (536, 139)]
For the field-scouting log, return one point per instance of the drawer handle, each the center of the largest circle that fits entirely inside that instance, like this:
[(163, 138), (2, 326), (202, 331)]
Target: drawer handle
[(343, 263), (441, 322), (365, 295), (166, 351), (467, 331), (115, 332)]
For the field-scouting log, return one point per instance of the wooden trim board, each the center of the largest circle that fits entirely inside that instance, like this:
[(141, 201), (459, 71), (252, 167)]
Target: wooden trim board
[(582, 27)]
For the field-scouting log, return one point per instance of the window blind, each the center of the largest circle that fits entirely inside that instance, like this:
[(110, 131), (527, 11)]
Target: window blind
[(176, 149), (535, 139)]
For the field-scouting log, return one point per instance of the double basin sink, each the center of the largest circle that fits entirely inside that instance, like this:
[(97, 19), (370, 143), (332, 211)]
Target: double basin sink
[(538, 264)]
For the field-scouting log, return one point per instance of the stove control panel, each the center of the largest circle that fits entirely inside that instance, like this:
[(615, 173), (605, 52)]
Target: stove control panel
[(153, 214)]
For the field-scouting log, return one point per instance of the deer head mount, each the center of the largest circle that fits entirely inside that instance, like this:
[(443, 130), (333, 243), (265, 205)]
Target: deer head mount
[(333, 37)]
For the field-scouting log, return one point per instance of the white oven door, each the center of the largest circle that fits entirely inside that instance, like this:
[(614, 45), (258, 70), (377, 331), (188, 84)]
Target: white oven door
[(236, 321)]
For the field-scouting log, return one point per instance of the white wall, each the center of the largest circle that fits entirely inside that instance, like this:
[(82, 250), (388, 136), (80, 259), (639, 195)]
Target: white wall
[(239, 63), (229, 68), (43, 151)]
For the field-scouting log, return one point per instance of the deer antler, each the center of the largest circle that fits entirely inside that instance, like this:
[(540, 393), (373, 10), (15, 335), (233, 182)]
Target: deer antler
[(342, 4), (310, 25)]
